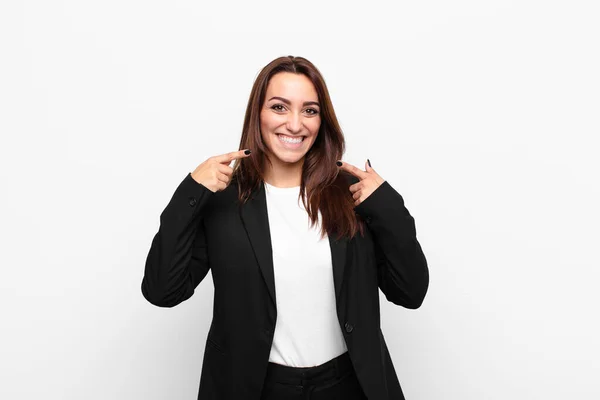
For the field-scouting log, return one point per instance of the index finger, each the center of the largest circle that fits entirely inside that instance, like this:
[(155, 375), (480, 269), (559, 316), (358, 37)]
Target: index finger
[(228, 157), (359, 173)]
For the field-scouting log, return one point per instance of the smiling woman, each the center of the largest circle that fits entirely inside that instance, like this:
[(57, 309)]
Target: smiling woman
[(296, 306), (290, 123), (295, 138)]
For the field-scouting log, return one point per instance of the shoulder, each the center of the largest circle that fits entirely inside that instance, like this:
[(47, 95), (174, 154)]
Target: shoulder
[(222, 200)]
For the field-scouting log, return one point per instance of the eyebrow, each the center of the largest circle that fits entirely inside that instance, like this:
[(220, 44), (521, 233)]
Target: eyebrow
[(286, 101)]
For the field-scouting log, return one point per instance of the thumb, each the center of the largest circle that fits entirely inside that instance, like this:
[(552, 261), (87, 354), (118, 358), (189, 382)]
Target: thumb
[(368, 166)]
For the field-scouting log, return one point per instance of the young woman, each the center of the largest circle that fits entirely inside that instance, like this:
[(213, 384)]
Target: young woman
[(298, 244)]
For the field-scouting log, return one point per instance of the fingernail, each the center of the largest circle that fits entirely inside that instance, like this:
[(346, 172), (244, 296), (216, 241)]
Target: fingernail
[(369, 163), (339, 163), (247, 151)]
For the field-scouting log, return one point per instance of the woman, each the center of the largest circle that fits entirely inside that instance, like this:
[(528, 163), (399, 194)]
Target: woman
[(298, 244)]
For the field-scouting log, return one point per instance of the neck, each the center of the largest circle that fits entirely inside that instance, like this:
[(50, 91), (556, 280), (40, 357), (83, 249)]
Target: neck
[(282, 174)]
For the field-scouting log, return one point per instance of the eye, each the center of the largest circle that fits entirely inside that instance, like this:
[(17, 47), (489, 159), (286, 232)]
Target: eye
[(281, 107)]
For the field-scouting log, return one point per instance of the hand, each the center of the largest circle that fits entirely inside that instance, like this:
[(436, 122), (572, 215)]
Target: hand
[(369, 181), (215, 172)]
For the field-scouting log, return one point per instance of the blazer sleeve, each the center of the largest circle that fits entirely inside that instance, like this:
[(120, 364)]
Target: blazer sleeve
[(177, 261), (402, 271)]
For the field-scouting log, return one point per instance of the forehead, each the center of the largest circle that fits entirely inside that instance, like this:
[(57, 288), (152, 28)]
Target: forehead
[(291, 86)]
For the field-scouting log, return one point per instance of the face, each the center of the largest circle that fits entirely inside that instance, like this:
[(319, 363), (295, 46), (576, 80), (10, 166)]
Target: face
[(291, 112)]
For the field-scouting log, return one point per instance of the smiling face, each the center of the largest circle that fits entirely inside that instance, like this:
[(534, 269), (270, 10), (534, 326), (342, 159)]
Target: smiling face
[(290, 113)]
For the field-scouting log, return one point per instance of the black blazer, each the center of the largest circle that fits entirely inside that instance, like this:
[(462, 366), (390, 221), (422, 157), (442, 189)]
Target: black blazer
[(201, 230)]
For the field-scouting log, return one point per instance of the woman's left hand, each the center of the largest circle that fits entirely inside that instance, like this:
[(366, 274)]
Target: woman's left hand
[(369, 180)]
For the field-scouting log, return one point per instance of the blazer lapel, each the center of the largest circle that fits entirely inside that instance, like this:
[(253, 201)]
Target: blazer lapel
[(338, 259), (255, 220)]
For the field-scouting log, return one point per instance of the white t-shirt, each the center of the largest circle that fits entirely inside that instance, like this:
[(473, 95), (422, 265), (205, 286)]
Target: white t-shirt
[(307, 331)]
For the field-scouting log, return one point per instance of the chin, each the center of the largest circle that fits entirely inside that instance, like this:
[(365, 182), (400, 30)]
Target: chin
[(288, 158)]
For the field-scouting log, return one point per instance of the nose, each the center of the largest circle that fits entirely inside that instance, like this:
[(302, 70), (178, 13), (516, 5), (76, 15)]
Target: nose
[(294, 122)]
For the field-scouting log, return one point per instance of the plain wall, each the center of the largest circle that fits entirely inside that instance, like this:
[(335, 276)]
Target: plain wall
[(484, 115)]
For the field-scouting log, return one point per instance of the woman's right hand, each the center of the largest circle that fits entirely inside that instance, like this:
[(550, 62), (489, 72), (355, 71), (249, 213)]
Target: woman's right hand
[(215, 172)]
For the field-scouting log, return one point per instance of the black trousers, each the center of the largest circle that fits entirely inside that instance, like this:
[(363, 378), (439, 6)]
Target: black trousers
[(332, 380)]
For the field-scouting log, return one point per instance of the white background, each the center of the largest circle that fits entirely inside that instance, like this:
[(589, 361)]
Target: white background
[(484, 115)]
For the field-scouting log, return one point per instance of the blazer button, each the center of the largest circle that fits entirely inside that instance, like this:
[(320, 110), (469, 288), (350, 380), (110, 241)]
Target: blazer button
[(368, 219), (192, 201), (348, 327)]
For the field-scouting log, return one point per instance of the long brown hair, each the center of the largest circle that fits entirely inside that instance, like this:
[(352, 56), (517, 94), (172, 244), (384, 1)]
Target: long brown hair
[(325, 185)]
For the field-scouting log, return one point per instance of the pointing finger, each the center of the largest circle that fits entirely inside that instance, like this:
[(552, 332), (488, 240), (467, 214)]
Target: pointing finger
[(228, 157), (359, 173)]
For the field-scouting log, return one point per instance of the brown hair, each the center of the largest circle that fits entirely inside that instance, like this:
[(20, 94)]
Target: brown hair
[(326, 186)]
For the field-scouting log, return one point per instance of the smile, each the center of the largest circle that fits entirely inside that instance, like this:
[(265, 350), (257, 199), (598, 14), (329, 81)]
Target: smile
[(290, 139), (290, 142)]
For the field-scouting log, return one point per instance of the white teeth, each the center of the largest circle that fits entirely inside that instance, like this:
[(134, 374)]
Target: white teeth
[(289, 140)]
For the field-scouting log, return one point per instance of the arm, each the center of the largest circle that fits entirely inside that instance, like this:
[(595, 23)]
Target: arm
[(402, 271), (177, 261)]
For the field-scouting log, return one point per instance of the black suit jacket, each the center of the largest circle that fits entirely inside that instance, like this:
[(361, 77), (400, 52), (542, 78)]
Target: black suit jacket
[(201, 230)]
